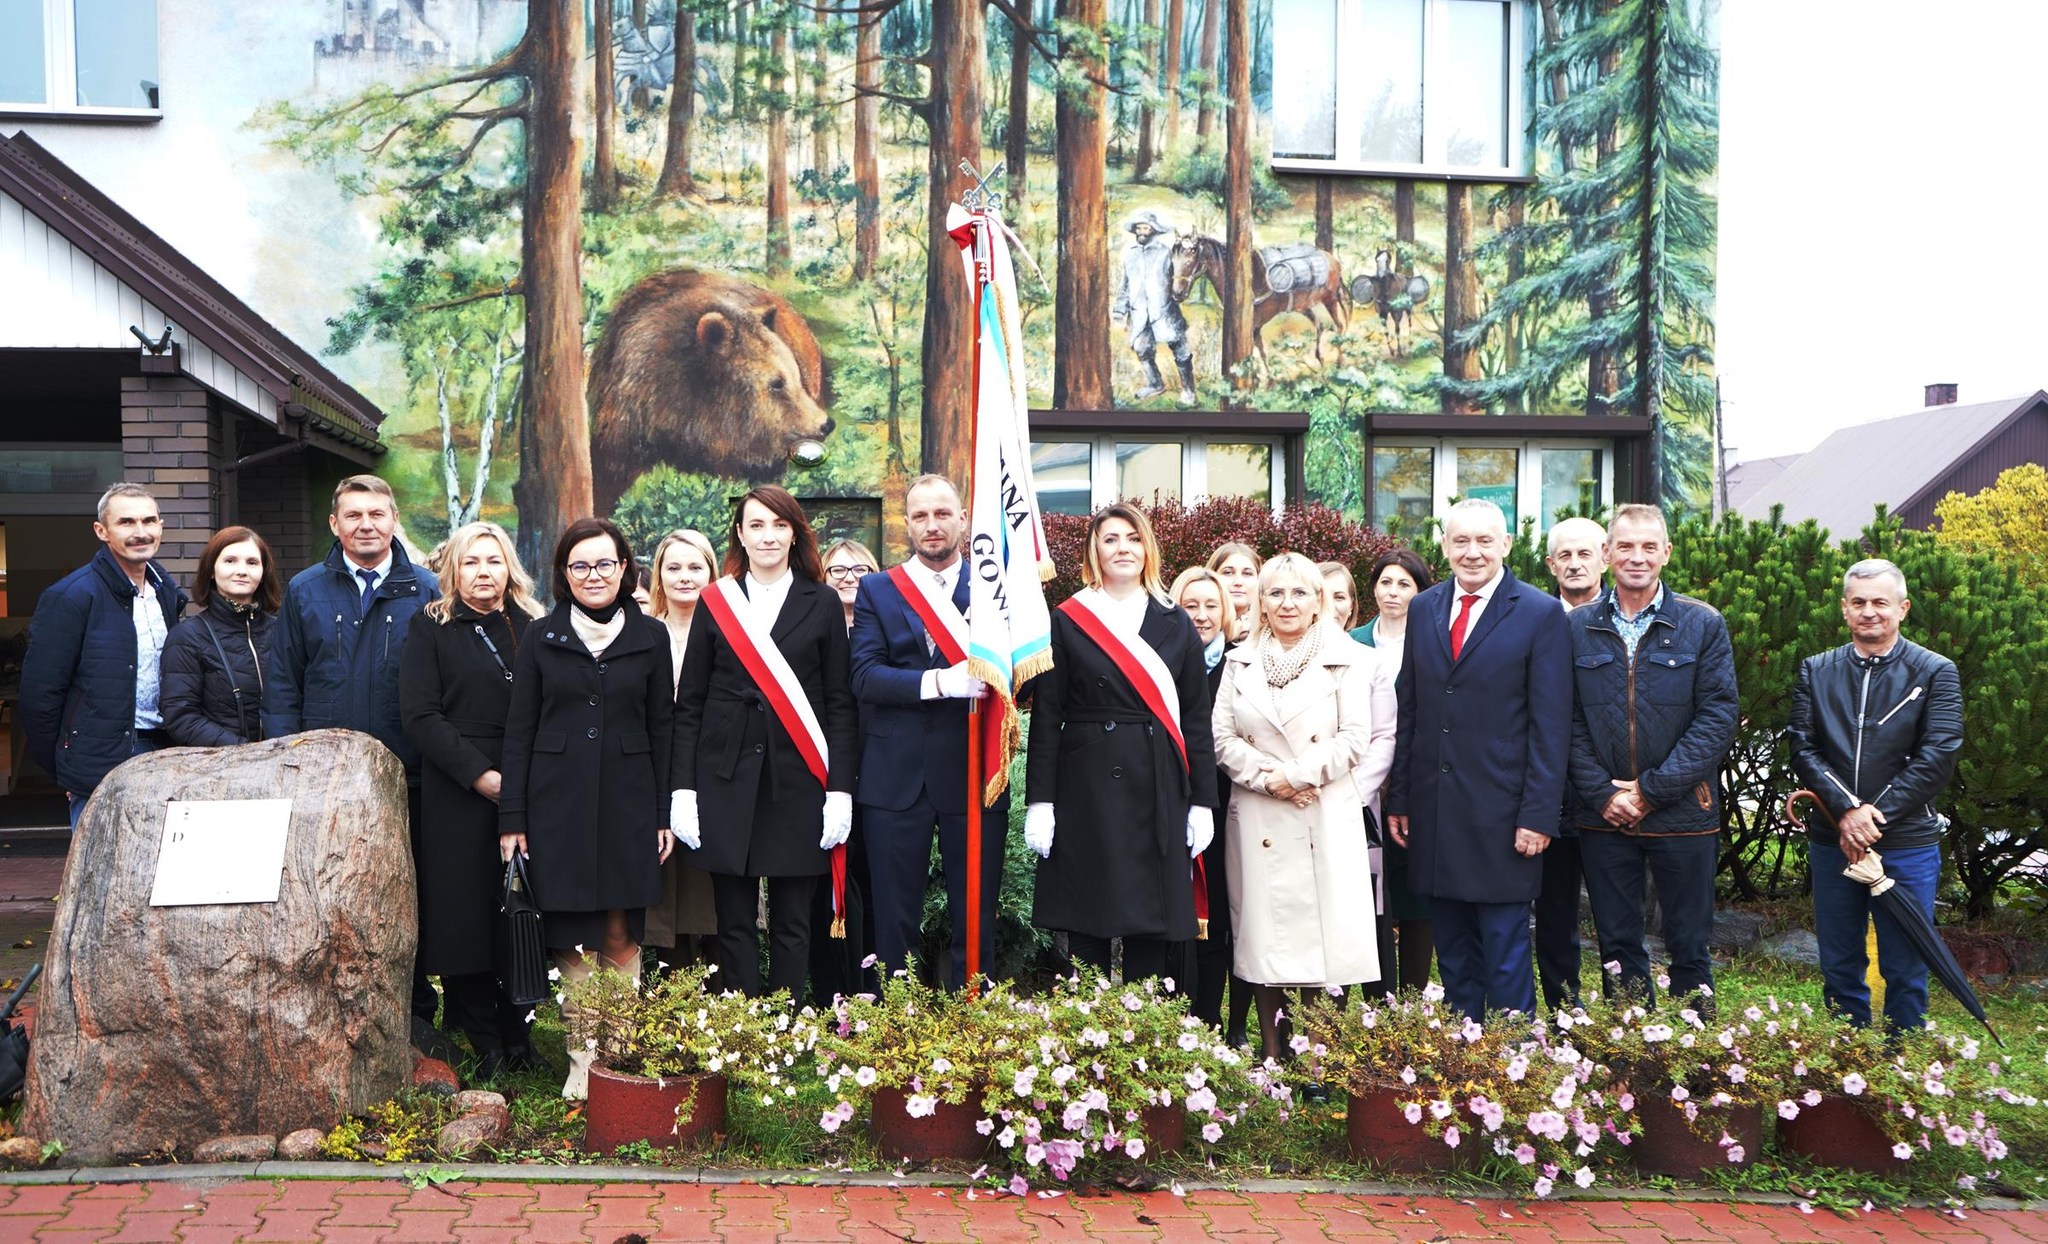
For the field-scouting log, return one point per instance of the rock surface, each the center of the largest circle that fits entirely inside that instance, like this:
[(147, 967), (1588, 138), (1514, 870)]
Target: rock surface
[(1792, 946), (431, 1075), (236, 1149), (470, 1101), (302, 1145), (21, 1152), (469, 1133), (161, 1027), (1736, 930)]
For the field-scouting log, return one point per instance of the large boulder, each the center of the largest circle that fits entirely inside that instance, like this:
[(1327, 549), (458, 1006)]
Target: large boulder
[(161, 1027)]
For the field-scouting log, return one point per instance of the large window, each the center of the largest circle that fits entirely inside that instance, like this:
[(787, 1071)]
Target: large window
[(1399, 86), (1414, 478), (89, 57), (1076, 475)]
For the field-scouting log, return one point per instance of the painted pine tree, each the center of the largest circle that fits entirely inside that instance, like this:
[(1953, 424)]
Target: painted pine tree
[(1616, 240)]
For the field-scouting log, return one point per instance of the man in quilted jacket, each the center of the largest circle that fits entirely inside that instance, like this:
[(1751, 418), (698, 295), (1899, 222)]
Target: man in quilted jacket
[(1654, 713)]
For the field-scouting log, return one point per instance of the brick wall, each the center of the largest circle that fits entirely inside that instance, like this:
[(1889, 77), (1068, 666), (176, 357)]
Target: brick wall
[(171, 444), (273, 500)]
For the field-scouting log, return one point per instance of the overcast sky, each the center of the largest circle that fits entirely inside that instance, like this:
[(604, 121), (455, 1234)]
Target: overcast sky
[(1883, 218)]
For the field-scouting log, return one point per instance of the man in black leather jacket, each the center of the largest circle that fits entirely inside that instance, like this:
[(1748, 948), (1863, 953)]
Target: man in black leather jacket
[(1876, 725)]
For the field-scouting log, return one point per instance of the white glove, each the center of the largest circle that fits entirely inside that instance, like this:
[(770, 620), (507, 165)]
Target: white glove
[(682, 818), (1038, 829), (1201, 829), (838, 819), (955, 683)]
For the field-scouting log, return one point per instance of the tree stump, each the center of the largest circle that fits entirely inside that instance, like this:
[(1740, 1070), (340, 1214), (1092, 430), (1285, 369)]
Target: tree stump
[(160, 1027)]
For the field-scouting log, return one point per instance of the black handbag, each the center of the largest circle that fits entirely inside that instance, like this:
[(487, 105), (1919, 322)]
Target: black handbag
[(522, 956)]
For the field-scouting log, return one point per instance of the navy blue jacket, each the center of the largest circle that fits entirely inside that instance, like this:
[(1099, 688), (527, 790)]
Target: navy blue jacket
[(908, 744), (1481, 743), (78, 675), (1666, 722), (332, 664)]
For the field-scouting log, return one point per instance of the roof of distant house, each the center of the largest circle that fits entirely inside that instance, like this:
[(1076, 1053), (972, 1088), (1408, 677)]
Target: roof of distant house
[(1746, 477), (1840, 482)]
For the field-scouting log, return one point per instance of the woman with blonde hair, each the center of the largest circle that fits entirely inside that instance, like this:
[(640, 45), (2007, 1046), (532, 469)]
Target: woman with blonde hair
[(684, 564), (1201, 594), (1121, 779), (1341, 590), (847, 562), (455, 691), (1237, 565), (1301, 707)]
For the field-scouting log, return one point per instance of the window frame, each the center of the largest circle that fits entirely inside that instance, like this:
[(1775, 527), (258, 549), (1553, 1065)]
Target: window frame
[(60, 71), (1434, 164), (1528, 469), (1194, 459)]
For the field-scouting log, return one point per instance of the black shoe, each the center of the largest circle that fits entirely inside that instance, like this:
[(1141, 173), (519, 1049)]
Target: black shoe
[(434, 1043)]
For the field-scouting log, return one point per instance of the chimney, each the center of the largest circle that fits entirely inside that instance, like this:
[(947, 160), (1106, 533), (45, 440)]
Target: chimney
[(1941, 395)]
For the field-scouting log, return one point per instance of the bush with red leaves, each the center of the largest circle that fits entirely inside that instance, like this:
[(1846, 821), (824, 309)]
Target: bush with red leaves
[(1188, 534)]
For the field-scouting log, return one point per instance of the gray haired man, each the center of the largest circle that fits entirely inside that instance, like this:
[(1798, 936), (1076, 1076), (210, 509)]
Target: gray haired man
[(1876, 726)]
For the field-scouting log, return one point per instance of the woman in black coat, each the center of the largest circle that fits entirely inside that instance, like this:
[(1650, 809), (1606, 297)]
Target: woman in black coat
[(586, 789), (1114, 809), (212, 671), (749, 805), (455, 691)]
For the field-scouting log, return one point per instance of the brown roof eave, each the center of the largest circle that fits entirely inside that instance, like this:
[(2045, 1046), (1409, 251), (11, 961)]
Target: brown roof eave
[(99, 227)]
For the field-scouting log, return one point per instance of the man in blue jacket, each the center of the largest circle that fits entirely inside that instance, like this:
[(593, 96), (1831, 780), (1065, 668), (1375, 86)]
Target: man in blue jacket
[(334, 649), (90, 678), (1654, 715), (1483, 727), (914, 738)]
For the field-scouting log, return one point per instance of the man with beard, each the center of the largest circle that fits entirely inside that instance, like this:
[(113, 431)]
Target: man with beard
[(91, 676), (914, 689)]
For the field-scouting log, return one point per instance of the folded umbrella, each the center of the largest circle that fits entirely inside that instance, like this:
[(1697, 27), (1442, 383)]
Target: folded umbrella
[(1909, 918)]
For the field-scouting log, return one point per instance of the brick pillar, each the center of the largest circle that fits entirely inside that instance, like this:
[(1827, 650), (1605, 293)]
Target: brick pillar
[(171, 444), (274, 502)]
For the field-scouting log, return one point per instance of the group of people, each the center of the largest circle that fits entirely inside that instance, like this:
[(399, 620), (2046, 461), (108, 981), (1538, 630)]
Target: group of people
[(1232, 780)]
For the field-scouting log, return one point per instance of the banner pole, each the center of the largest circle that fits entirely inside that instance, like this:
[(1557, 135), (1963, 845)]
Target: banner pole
[(973, 931)]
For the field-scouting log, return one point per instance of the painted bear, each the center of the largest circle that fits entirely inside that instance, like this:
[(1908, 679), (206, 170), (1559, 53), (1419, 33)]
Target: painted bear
[(707, 373)]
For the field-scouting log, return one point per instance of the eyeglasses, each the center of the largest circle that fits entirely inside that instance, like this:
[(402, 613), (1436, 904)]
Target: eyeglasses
[(602, 569), (1279, 594), (854, 571)]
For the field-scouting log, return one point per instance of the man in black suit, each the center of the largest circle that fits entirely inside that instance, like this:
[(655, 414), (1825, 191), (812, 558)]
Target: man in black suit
[(1485, 695), (914, 743)]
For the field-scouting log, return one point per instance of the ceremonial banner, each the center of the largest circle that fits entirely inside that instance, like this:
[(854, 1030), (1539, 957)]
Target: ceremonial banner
[(1008, 625)]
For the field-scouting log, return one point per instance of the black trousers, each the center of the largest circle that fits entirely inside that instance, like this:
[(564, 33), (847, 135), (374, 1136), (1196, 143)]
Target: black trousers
[(1557, 924), (424, 1000), (1143, 956), (737, 903), (478, 1008), (1683, 867), (899, 863)]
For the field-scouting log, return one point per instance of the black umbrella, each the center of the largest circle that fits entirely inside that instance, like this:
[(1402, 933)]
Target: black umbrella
[(1909, 918), (14, 1041)]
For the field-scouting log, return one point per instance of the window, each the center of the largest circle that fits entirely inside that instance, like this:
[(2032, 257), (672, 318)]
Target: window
[(1076, 476), (1415, 478), (89, 57), (1399, 86)]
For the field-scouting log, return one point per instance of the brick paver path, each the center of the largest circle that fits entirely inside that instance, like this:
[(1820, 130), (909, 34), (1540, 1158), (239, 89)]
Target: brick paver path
[(388, 1212)]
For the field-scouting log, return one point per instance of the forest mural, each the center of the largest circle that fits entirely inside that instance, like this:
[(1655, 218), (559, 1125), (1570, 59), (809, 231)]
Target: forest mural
[(628, 254)]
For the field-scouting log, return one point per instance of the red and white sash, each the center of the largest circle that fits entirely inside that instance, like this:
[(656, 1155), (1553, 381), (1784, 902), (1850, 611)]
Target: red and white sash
[(771, 672), (946, 627), (1148, 674)]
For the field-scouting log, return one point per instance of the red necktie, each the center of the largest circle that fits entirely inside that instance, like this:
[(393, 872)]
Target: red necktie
[(1459, 623)]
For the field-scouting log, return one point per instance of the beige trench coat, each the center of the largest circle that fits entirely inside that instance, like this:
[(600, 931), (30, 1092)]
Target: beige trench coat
[(1301, 904)]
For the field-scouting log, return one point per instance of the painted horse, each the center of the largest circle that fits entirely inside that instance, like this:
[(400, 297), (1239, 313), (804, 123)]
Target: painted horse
[(1312, 280)]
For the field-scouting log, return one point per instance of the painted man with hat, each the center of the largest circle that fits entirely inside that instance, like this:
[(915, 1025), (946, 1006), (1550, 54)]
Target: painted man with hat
[(1144, 302)]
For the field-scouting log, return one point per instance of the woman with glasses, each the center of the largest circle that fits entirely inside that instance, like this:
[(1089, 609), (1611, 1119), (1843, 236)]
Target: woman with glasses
[(455, 693), (585, 794), (767, 740), (683, 566), (1300, 708), (847, 562)]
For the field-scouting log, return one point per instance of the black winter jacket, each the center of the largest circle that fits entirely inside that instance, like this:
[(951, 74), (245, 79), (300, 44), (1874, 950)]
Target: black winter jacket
[(331, 664), (1666, 720), (213, 676), (1880, 730), (78, 675)]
